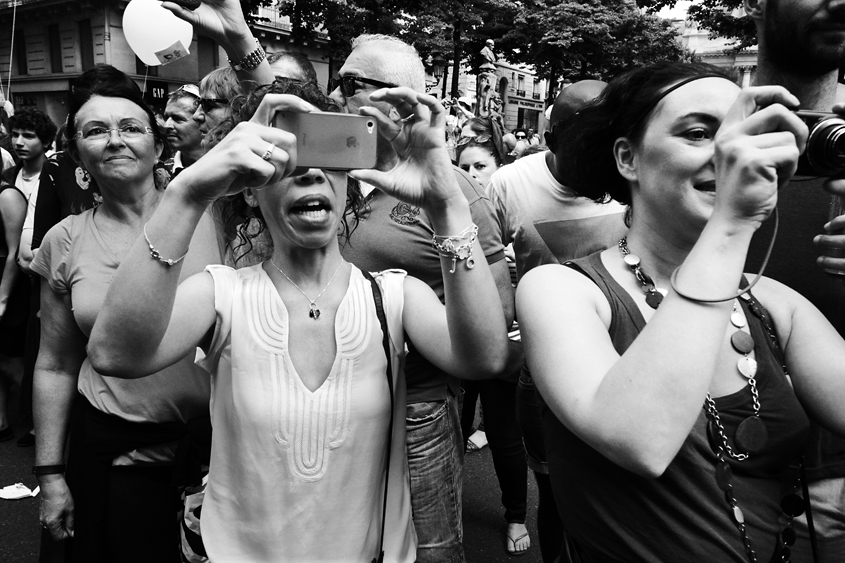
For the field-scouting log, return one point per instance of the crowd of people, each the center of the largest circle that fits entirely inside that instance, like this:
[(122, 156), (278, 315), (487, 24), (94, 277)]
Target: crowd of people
[(224, 356)]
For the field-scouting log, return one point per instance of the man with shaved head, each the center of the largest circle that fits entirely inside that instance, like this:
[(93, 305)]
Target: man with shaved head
[(548, 223), (394, 234)]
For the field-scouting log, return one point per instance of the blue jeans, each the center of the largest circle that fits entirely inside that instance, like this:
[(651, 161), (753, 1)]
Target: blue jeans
[(435, 461)]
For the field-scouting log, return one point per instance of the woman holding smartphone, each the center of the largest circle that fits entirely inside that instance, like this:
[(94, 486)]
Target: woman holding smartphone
[(300, 404)]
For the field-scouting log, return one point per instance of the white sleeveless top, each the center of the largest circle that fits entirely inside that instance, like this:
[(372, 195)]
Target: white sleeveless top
[(297, 475)]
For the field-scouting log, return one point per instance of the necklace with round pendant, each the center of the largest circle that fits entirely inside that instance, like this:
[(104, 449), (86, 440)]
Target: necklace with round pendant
[(750, 436)]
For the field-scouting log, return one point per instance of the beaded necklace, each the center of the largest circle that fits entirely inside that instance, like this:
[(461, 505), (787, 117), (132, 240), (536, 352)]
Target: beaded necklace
[(751, 434)]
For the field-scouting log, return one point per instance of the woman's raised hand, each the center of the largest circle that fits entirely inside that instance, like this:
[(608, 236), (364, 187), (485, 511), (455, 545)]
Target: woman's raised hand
[(757, 150), (222, 20), (423, 175), (253, 155)]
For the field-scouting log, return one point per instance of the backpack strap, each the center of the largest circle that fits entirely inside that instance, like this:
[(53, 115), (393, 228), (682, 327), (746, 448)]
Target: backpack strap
[(377, 297)]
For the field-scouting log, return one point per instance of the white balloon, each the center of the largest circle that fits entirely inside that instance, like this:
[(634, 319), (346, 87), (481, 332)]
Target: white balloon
[(155, 34)]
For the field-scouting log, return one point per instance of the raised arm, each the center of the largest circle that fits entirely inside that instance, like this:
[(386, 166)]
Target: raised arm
[(148, 320), (223, 21), (467, 337), (638, 409)]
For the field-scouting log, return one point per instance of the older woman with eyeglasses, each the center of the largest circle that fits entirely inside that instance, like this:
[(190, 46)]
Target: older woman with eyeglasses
[(113, 495)]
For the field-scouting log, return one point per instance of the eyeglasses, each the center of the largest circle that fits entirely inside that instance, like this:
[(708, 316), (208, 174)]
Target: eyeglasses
[(126, 132), (190, 89), (350, 84), (479, 139), (521, 136), (209, 104)]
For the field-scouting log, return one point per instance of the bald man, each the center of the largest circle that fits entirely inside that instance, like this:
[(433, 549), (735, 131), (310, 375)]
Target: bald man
[(548, 223)]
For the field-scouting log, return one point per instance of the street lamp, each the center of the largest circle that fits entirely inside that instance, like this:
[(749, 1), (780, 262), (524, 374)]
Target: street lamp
[(439, 64)]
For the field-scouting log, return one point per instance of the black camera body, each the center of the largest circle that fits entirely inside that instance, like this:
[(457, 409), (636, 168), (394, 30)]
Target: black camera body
[(825, 151)]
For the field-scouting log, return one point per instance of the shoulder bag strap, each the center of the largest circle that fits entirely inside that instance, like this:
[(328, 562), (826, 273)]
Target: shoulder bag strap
[(377, 297)]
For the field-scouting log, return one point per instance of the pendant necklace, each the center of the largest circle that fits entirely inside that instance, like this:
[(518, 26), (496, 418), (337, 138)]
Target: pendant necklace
[(314, 311), (654, 295), (751, 435)]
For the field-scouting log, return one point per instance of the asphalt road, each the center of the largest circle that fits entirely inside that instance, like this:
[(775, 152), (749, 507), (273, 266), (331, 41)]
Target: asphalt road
[(484, 527)]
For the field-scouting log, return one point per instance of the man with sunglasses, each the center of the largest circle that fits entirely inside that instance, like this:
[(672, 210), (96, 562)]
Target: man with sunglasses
[(547, 223), (398, 235), (182, 131)]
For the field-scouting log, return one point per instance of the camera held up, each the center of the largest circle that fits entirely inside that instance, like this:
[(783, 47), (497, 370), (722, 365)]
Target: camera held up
[(825, 152)]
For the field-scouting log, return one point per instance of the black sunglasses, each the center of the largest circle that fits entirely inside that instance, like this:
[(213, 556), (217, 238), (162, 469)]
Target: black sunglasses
[(478, 139), (521, 136), (209, 104), (350, 84)]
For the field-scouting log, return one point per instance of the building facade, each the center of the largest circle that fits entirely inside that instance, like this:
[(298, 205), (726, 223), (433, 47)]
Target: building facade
[(47, 43)]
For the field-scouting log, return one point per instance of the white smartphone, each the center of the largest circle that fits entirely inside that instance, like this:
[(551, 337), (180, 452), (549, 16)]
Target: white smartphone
[(332, 141)]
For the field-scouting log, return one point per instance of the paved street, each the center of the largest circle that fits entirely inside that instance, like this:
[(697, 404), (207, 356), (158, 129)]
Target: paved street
[(483, 523)]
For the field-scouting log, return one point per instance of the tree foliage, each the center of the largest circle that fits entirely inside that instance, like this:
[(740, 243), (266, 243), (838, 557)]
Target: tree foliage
[(722, 18), (590, 38), (573, 39)]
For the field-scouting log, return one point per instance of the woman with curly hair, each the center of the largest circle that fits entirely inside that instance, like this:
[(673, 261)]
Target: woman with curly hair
[(308, 452)]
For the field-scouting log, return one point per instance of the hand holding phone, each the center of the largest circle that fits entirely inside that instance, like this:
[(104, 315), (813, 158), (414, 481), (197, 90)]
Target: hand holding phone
[(331, 141)]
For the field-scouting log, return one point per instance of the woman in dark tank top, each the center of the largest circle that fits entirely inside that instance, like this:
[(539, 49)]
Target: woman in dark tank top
[(669, 416)]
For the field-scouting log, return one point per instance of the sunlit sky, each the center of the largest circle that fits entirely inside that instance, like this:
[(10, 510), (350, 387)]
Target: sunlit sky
[(678, 12)]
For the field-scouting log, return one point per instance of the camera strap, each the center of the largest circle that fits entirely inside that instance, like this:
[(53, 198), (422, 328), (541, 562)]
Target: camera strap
[(377, 298)]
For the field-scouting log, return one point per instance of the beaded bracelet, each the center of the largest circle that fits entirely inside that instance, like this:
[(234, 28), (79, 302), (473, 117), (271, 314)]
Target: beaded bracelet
[(39, 470), (251, 61), (157, 255), (458, 247)]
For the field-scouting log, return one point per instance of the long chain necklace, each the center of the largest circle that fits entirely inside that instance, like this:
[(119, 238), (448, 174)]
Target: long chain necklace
[(751, 434), (654, 296), (314, 311)]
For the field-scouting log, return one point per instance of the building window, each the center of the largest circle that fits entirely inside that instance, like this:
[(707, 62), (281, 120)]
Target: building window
[(86, 44), (55, 48), (20, 53)]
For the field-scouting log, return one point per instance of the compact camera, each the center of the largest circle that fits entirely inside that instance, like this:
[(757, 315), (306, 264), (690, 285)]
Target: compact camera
[(825, 152)]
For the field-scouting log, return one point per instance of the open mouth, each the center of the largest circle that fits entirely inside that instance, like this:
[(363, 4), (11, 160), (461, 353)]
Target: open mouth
[(312, 208), (706, 186)]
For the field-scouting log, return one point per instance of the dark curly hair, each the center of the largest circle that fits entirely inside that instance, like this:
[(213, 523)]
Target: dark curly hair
[(586, 160), (237, 215), (108, 82), (31, 119)]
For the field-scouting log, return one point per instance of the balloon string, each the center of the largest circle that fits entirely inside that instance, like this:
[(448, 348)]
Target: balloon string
[(146, 71), (11, 51)]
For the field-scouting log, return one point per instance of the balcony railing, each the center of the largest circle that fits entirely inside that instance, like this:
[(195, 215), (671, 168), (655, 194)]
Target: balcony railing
[(536, 95), (273, 19), (520, 93)]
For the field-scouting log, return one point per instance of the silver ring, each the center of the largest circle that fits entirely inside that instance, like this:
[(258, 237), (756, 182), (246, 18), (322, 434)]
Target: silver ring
[(269, 152)]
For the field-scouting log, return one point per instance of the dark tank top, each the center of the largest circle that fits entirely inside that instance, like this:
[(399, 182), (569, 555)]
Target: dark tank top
[(614, 515)]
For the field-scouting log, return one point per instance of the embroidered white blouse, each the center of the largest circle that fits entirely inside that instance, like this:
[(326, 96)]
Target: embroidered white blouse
[(297, 475)]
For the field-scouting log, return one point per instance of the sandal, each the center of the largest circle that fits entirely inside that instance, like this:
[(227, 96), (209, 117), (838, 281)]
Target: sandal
[(477, 441), (511, 543)]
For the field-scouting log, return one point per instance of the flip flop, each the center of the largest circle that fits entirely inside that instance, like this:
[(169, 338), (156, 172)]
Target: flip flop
[(511, 545)]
